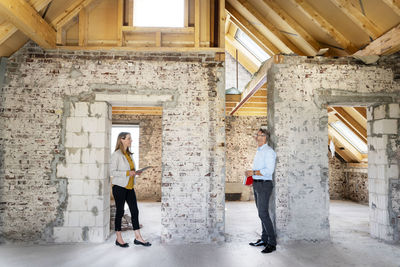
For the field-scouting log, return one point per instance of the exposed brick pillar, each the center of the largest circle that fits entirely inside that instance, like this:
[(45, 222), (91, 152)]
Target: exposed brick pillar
[(383, 171), (87, 154)]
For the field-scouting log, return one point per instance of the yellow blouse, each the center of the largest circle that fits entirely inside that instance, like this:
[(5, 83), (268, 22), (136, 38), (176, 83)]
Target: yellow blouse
[(132, 165)]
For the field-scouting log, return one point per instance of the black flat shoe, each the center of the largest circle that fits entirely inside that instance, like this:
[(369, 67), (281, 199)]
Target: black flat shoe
[(137, 242), (121, 245), (268, 249), (258, 243)]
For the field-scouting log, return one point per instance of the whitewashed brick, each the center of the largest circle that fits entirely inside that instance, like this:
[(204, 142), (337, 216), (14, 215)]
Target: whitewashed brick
[(89, 124), (98, 234), (87, 218), (381, 186), (382, 216), (393, 171), (380, 112), (73, 155), (74, 124), (75, 187), (76, 171), (97, 171), (382, 202), (100, 203), (81, 109), (77, 203), (89, 155), (92, 187), (385, 126), (394, 111), (73, 219), (381, 171), (372, 171), (77, 140), (99, 109), (62, 170), (67, 234), (98, 140)]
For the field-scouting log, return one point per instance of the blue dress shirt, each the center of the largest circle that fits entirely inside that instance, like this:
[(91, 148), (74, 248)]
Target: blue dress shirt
[(264, 161)]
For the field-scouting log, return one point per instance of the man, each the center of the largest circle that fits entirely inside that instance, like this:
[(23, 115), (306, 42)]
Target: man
[(263, 168)]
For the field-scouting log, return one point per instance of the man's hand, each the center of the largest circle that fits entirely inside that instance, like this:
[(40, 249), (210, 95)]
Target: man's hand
[(248, 173)]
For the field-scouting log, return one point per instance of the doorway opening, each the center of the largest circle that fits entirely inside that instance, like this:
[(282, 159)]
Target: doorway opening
[(145, 126), (348, 171)]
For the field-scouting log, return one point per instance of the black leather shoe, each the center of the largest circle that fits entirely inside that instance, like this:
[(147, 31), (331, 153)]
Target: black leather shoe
[(137, 242), (268, 249), (121, 245), (258, 243)]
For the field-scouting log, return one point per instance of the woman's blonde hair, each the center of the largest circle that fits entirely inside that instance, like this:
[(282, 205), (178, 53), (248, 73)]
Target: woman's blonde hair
[(119, 144)]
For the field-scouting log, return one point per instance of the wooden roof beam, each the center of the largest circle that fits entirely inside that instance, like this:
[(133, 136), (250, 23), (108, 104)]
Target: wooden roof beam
[(355, 155), (394, 5), (27, 20), (345, 117), (340, 152), (71, 12), (353, 13), (270, 26), (250, 30), (293, 24), (388, 43), (328, 28), (7, 29)]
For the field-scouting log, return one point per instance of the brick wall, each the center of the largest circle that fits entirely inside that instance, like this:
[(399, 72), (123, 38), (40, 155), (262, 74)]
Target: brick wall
[(337, 179), (148, 186), (37, 162), (299, 91)]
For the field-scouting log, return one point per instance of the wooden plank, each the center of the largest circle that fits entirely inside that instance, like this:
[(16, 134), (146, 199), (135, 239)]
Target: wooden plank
[(143, 49), (389, 43), (71, 12), (257, 99), (232, 98), (394, 4), (328, 28), (358, 129), (353, 13), (158, 39), (186, 13), (362, 111), (120, 21), (197, 23), (293, 24), (137, 112), (260, 17), (128, 29), (61, 36), (83, 27), (251, 31), (341, 153), (213, 23), (221, 36), (130, 13), (135, 108), (27, 20), (260, 93)]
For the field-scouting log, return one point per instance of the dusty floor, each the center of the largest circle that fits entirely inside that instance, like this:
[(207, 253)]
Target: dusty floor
[(350, 246)]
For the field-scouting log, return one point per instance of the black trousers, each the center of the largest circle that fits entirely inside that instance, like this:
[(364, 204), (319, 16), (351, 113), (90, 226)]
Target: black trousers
[(262, 194), (121, 194)]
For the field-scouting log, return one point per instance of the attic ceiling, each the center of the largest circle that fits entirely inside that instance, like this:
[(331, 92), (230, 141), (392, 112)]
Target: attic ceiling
[(302, 27)]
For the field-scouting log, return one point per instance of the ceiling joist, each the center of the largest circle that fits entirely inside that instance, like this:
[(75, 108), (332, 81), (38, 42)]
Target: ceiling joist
[(270, 27), (328, 28), (394, 5)]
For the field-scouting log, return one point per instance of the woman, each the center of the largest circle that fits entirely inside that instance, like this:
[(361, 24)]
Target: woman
[(123, 172)]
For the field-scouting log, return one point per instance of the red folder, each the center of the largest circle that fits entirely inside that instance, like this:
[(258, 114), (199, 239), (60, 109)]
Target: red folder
[(248, 180)]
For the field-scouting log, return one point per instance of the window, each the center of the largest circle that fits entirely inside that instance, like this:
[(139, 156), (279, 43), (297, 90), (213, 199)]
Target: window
[(158, 13), (134, 131), (350, 136), (251, 46)]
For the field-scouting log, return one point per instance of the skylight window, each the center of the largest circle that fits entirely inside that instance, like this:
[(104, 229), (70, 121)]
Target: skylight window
[(350, 136), (158, 13), (250, 45)]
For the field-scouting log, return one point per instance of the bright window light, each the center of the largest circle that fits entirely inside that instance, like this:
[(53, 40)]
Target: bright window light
[(158, 13), (250, 45), (134, 131), (350, 136)]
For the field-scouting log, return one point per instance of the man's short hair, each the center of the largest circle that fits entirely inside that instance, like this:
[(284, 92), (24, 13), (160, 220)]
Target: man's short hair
[(266, 132)]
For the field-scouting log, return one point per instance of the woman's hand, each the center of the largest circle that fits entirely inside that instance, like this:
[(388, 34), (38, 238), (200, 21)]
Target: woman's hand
[(132, 173), (249, 173)]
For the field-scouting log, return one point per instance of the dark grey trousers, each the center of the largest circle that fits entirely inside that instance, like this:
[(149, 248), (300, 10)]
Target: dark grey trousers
[(262, 194)]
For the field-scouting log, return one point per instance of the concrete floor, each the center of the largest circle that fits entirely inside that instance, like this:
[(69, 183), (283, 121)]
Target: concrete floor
[(350, 246)]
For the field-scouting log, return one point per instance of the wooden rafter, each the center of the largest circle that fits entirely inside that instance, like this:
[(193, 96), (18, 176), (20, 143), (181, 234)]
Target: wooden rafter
[(293, 24), (388, 43), (394, 4), (247, 5), (362, 111), (71, 12), (354, 153), (7, 29), (353, 13), (245, 58), (27, 20), (250, 30), (340, 152), (328, 28), (358, 129), (83, 27)]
